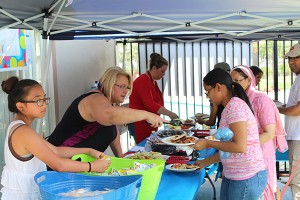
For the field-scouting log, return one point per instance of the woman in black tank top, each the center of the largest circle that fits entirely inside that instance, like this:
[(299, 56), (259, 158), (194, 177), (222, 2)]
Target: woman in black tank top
[(91, 119)]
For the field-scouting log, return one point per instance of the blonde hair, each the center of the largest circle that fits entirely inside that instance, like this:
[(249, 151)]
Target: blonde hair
[(109, 78)]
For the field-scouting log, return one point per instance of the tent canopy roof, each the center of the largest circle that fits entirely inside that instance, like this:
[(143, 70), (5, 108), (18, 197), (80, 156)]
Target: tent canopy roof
[(170, 19)]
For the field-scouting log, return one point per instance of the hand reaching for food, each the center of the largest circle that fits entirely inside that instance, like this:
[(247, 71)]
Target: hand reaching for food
[(200, 144)]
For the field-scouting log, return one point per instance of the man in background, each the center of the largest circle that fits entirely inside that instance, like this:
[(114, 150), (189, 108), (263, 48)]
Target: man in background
[(292, 119), (223, 65)]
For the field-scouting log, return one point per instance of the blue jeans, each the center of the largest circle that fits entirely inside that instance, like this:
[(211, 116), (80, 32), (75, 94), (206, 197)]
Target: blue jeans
[(249, 189)]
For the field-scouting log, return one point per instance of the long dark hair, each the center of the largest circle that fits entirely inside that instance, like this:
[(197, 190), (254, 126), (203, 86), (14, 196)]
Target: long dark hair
[(17, 90), (222, 77), (256, 70)]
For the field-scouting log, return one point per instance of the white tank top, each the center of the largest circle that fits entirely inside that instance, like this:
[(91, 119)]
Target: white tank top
[(18, 175)]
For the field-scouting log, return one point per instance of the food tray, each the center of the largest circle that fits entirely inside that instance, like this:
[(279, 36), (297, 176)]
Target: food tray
[(177, 159), (151, 177), (200, 133), (167, 133), (165, 149)]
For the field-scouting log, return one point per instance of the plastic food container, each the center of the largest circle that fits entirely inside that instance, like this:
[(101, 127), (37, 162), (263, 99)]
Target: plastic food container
[(151, 177), (53, 185)]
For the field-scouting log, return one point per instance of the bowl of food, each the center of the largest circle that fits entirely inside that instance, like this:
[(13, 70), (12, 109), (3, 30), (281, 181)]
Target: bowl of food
[(200, 133), (186, 127), (201, 115), (167, 133)]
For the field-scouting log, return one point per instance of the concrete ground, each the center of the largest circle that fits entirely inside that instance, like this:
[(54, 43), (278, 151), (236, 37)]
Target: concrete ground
[(205, 191)]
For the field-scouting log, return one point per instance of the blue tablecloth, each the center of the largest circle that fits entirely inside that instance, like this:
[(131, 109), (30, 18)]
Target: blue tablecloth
[(181, 185), (176, 185)]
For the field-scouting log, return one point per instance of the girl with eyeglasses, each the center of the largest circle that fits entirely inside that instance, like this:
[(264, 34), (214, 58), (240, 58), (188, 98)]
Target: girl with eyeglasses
[(244, 171), (26, 152)]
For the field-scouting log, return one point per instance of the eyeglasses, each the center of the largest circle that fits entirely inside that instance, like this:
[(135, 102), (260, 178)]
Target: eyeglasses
[(293, 58), (123, 87), (238, 81), (39, 102), (208, 91)]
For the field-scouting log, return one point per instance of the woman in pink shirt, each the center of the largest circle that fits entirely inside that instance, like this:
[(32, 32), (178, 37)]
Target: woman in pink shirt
[(269, 124), (244, 173)]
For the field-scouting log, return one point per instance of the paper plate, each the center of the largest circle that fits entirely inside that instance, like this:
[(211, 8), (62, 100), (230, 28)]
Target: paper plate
[(129, 156), (167, 140), (169, 167), (212, 138), (202, 115)]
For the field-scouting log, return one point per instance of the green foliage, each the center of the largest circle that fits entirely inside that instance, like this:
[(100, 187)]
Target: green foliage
[(131, 61)]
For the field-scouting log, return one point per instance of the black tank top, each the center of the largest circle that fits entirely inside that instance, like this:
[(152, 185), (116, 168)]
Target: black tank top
[(74, 131)]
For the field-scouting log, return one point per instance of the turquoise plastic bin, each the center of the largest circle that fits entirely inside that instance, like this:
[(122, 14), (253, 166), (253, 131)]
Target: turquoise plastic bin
[(53, 184)]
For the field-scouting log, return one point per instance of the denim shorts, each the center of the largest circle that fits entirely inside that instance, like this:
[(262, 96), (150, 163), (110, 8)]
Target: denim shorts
[(248, 189)]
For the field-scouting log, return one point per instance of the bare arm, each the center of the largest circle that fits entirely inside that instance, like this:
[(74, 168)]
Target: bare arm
[(26, 141), (268, 133), (98, 108), (68, 152), (290, 111), (162, 110), (212, 117), (208, 161), (237, 145)]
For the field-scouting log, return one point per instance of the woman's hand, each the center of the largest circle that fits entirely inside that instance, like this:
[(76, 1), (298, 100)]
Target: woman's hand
[(200, 120), (208, 161), (154, 120), (96, 154), (99, 165), (201, 163), (200, 144), (173, 115)]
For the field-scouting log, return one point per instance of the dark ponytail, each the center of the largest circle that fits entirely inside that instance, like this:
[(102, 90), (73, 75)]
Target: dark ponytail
[(222, 77), (239, 92)]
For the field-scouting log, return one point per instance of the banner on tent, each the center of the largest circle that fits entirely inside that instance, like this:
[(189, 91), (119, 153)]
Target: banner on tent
[(12, 49)]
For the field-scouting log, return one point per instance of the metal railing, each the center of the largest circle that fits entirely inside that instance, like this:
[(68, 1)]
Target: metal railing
[(189, 62)]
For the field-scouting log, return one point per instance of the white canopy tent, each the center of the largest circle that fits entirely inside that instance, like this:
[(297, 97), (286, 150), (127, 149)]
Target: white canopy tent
[(175, 19)]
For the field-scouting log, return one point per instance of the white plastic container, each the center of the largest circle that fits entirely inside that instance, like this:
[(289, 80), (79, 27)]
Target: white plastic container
[(212, 130)]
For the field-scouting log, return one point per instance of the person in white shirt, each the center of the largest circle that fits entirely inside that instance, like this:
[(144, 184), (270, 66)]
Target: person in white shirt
[(292, 119)]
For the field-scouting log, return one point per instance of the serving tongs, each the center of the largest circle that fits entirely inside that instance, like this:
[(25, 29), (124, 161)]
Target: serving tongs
[(178, 122), (175, 122)]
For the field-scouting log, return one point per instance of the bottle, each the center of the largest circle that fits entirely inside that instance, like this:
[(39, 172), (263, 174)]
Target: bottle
[(95, 86), (148, 145)]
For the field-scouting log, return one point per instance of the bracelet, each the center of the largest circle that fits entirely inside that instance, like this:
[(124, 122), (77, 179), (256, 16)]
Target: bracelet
[(90, 166)]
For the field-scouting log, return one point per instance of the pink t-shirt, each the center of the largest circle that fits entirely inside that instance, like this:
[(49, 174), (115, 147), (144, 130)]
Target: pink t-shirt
[(241, 166)]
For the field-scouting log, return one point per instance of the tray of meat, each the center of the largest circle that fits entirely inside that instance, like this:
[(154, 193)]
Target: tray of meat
[(200, 133), (177, 159)]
